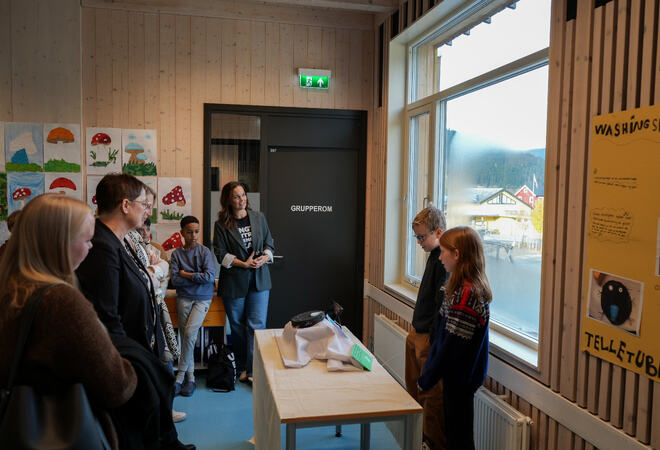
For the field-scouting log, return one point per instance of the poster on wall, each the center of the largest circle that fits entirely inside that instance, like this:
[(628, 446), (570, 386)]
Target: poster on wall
[(24, 147), (2, 146), (152, 182), (23, 187), (62, 147), (92, 182), (139, 152), (174, 199), (64, 183), (103, 150), (168, 235), (621, 276)]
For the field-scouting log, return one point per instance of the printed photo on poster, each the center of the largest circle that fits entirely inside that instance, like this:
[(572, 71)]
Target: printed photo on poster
[(174, 199), (152, 182), (64, 183), (62, 147), (24, 147), (103, 150), (23, 187), (139, 152), (615, 301), (92, 182)]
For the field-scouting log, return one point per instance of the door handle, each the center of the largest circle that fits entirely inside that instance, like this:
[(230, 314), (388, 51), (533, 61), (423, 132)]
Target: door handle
[(277, 257)]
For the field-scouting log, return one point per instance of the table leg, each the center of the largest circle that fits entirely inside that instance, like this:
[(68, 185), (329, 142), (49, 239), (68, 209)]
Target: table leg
[(338, 431), (412, 432), (290, 436), (365, 435)]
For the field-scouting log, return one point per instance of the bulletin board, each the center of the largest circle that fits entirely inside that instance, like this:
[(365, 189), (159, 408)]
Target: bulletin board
[(622, 265)]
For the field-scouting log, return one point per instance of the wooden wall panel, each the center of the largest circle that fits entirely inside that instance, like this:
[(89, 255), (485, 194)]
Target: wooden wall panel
[(5, 61), (183, 74)]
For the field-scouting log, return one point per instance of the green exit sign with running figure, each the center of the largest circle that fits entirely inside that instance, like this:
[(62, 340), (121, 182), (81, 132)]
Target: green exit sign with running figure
[(314, 78)]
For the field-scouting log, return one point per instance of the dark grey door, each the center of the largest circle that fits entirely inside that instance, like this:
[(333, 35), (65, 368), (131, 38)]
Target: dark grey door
[(314, 203)]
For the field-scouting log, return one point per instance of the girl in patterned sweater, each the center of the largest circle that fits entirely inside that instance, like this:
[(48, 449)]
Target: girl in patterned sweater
[(459, 355)]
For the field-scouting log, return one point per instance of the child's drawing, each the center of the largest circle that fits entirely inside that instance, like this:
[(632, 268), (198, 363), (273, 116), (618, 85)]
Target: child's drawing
[(23, 187), (24, 147), (174, 199), (62, 147), (3, 196), (64, 183), (103, 150), (168, 235), (92, 182), (140, 147)]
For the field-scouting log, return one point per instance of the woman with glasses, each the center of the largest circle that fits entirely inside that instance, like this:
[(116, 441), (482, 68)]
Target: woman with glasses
[(243, 245), (117, 283)]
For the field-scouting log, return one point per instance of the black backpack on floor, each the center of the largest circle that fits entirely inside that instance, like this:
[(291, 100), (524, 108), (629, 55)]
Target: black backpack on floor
[(221, 375)]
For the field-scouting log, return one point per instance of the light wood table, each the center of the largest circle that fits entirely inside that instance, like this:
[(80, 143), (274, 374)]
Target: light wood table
[(313, 397)]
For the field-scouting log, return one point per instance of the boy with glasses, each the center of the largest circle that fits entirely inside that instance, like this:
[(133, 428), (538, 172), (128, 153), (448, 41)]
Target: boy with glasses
[(427, 227)]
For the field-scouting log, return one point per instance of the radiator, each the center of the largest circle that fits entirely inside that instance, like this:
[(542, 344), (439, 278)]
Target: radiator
[(498, 425), (390, 346)]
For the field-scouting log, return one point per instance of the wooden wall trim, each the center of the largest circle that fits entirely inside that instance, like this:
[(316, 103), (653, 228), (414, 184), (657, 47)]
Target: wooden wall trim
[(396, 306), (253, 11), (568, 414)]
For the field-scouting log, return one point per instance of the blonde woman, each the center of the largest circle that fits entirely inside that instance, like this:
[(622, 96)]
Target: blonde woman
[(67, 342)]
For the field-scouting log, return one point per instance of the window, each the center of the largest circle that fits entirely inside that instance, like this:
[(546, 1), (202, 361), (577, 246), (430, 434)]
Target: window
[(476, 122)]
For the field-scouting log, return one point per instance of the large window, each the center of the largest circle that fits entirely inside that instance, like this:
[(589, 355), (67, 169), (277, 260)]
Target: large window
[(476, 125)]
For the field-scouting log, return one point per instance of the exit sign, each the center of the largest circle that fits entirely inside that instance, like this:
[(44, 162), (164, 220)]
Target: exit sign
[(314, 82), (314, 78)]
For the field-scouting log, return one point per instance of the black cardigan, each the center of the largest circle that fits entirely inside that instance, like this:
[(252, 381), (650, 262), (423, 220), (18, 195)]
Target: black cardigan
[(122, 297), (233, 282)]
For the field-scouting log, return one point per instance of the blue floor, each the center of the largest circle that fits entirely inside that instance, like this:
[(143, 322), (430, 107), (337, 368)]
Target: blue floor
[(224, 421)]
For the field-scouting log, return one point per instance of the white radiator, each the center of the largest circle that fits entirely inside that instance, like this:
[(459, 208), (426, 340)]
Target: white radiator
[(390, 346), (498, 425)]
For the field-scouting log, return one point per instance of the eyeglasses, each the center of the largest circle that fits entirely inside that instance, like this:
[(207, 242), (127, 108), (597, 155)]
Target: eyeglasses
[(421, 237), (145, 204)]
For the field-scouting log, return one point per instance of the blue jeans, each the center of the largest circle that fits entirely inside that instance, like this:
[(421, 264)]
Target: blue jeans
[(245, 315), (191, 315)]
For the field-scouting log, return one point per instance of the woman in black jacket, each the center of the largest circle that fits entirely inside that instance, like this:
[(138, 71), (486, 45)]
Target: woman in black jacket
[(243, 245)]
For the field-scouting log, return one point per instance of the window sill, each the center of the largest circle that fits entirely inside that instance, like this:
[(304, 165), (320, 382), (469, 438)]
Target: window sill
[(505, 345), (403, 292)]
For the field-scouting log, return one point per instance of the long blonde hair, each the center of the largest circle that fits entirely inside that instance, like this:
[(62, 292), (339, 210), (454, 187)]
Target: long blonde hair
[(38, 250), (471, 264)]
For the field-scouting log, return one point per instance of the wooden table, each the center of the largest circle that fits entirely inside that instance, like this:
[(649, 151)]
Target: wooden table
[(314, 397)]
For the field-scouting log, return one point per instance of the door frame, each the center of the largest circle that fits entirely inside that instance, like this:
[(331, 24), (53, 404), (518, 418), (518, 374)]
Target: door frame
[(360, 118)]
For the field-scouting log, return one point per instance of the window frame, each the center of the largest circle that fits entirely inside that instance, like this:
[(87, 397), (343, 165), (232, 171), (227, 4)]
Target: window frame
[(509, 341)]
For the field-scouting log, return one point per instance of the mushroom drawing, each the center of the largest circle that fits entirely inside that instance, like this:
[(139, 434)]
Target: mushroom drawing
[(101, 138), (94, 199), (62, 182), (21, 194), (134, 150), (175, 195), (60, 134), (174, 241)]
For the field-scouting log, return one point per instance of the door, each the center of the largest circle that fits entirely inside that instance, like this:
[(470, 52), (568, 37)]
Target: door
[(314, 202)]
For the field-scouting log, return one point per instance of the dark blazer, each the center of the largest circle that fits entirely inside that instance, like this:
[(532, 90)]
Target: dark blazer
[(234, 282), (122, 297)]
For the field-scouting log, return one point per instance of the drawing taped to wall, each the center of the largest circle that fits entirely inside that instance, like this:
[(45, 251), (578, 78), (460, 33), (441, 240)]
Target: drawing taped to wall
[(168, 235), (64, 183), (103, 150), (152, 182), (92, 182), (61, 147), (23, 187), (139, 152), (174, 199), (24, 147), (616, 301)]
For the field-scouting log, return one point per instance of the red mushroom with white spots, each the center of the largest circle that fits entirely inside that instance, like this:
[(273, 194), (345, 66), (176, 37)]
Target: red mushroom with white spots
[(175, 196), (174, 241), (101, 138), (21, 194), (62, 183)]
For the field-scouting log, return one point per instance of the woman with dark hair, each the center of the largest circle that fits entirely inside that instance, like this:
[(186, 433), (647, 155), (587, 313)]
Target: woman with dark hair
[(117, 283), (243, 245), (67, 343)]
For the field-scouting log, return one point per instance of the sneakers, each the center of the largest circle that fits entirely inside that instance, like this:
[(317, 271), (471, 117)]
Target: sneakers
[(249, 380), (178, 416), (243, 378), (188, 388), (177, 388)]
